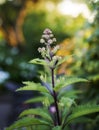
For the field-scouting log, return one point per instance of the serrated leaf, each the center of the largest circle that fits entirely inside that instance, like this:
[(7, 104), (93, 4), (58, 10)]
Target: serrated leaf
[(26, 122), (37, 111), (46, 102), (81, 111), (35, 99), (66, 81), (49, 97), (33, 86), (70, 94), (57, 128), (38, 61), (82, 120), (40, 98)]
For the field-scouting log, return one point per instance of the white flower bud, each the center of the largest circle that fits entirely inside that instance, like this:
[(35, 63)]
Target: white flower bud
[(59, 57), (54, 39), (47, 31), (51, 35), (43, 49), (42, 40), (50, 41), (54, 57), (39, 49), (46, 36)]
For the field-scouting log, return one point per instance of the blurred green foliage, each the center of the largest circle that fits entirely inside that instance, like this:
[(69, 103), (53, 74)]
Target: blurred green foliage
[(13, 59), (86, 61)]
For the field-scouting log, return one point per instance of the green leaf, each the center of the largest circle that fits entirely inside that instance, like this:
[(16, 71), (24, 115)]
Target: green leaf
[(46, 102), (49, 97), (65, 101), (38, 61), (26, 122), (82, 120), (37, 111), (33, 86), (81, 111), (35, 99), (41, 98), (94, 77), (57, 128), (65, 81), (70, 94)]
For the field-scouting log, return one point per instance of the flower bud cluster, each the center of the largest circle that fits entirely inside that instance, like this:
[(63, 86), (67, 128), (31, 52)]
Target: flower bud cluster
[(47, 52), (42, 51), (47, 37)]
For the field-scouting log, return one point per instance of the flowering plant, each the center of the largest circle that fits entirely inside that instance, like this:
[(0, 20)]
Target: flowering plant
[(58, 108)]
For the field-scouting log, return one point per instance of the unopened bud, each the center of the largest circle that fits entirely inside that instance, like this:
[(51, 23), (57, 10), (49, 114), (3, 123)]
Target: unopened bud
[(51, 35), (39, 49), (42, 40), (46, 36), (47, 31), (52, 109), (50, 41), (54, 39)]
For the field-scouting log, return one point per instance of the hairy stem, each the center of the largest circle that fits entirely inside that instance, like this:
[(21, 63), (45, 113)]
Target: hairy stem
[(55, 99)]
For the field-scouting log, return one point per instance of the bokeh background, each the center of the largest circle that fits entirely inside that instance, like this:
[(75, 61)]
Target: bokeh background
[(75, 24)]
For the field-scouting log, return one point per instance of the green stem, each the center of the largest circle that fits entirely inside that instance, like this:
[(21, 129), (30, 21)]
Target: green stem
[(55, 99)]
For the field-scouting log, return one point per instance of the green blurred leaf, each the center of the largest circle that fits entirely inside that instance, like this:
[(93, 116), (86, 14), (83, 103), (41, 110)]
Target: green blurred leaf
[(33, 86), (82, 120), (26, 122), (65, 101), (94, 77), (41, 99), (35, 99), (38, 61), (57, 128), (68, 81), (70, 94), (49, 97), (81, 111), (37, 111)]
